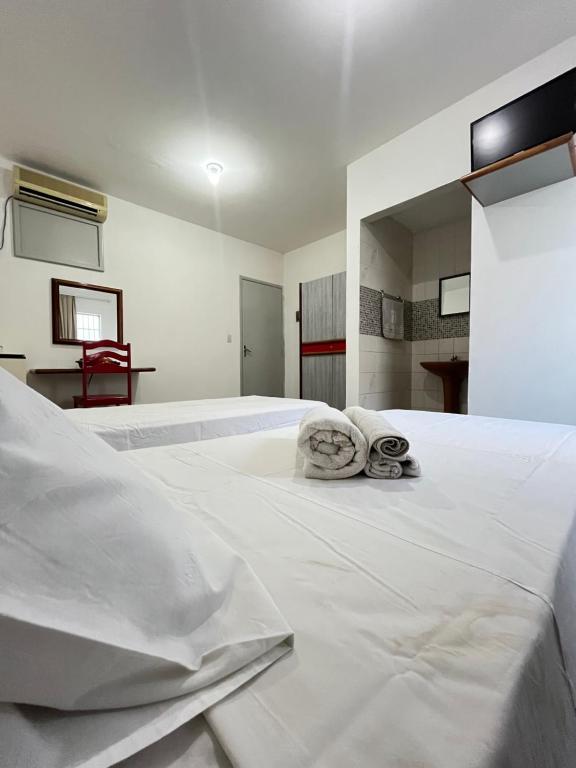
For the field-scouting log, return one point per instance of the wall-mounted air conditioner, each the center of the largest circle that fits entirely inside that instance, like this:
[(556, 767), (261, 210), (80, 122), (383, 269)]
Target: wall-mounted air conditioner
[(56, 221), (48, 192)]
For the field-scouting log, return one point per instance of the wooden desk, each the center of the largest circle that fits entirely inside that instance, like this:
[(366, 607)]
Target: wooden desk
[(61, 385), (59, 371)]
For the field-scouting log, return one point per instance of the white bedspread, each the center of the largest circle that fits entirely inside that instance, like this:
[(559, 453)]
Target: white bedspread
[(433, 617), (128, 427)]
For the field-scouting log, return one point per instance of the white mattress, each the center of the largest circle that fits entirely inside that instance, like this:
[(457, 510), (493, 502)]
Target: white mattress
[(128, 427), (433, 617)]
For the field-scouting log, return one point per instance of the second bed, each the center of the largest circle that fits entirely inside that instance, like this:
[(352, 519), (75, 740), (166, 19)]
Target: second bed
[(130, 427)]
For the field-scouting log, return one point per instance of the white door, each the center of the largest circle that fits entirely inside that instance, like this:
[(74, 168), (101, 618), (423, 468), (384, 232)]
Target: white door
[(262, 338)]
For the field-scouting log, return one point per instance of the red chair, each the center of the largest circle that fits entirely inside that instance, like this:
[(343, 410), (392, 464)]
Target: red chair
[(104, 357)]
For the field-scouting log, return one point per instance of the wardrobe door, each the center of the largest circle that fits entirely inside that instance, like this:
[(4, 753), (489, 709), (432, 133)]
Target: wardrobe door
[(317, 375), (317, 310), (339, 305)]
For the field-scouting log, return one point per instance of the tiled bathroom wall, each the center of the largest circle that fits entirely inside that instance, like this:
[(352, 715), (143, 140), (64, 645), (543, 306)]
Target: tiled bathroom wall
[(385, 366), (400, 263), (385, 373)]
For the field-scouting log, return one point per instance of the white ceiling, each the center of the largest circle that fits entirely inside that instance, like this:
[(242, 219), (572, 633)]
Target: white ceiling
[(133, 97)]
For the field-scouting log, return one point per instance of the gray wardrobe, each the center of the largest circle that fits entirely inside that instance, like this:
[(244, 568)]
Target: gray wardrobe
[(323, 340)]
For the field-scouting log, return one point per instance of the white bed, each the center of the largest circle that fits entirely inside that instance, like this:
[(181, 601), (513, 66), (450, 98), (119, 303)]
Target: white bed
[(128, 427), (433, 617)]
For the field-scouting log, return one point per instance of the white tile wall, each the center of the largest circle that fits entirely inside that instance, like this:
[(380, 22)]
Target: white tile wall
[(384, 401), (385, 365), (446, 345), (461, 347)]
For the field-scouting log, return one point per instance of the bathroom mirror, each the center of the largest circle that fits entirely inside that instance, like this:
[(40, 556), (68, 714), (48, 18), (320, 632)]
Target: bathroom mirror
[(455, 294), (82, 312)]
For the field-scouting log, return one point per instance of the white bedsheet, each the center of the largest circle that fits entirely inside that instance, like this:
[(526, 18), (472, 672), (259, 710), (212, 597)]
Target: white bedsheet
[(433, 617), (122, 617), (128, 427)]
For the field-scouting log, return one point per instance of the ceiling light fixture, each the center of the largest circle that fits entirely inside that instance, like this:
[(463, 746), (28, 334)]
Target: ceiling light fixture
[(214, 171)]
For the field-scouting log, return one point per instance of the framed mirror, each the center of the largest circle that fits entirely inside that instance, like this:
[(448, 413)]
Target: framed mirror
[(83, 312), (455, 294)]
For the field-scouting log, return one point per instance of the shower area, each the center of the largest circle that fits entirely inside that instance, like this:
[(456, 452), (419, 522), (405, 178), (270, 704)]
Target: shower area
[(415, 267)]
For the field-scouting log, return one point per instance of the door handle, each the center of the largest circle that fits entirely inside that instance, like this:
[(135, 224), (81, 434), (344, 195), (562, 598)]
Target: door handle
[(247, 351)]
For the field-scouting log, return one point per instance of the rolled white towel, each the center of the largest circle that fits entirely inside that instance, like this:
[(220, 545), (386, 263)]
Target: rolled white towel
[(388, 448), (333, 447), (382, 437)]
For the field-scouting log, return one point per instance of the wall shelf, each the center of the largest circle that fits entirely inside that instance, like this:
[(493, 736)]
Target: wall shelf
[(525, 171)]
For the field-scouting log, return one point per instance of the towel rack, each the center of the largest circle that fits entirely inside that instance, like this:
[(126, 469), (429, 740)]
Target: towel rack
[(389, 296)]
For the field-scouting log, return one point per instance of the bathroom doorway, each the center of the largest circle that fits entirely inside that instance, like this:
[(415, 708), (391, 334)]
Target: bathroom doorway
[(409, 255)]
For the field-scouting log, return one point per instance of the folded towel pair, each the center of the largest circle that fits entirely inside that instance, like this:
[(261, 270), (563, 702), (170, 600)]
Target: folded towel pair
[(388, 456), (336, 445)]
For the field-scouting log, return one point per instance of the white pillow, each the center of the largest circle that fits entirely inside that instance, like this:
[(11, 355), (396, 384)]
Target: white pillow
[(110, 596)]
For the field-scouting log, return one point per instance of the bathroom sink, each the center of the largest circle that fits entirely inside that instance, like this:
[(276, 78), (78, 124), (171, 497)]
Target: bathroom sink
[(452, 372), (447, 367)]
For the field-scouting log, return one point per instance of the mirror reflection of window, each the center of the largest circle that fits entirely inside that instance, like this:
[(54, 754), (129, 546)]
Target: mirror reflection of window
[(88, 326), (87, 315), (455, 295)]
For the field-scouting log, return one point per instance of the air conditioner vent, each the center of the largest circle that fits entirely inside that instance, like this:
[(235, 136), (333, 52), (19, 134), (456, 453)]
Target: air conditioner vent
[(59, 195), (67, 204)]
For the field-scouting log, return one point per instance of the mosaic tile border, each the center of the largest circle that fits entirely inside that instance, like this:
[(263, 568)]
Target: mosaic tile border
[(421, 318), (370, 311), (427, 323)]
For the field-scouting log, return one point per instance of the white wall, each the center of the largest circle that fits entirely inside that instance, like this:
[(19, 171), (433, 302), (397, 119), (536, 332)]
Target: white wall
[(524, 306), (439, 252), (181, 300), (319, 259), (435, 153)]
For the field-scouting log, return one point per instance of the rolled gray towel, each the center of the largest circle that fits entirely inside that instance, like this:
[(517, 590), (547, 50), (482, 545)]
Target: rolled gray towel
[(388, 448), (384, 469), (388, 469), (411, 466), (333, 447), (382, 437)]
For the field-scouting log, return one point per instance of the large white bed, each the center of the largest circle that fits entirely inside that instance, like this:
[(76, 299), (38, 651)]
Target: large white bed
[(203, 605), (129, 427), (434, 618)]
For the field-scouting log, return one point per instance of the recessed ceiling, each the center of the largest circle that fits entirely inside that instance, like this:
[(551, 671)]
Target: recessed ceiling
[(135, 97), (433, 209)]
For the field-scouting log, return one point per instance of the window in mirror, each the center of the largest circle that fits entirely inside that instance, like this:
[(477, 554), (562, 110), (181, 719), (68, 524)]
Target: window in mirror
[(455, 294), (82, 312), (89, 326)]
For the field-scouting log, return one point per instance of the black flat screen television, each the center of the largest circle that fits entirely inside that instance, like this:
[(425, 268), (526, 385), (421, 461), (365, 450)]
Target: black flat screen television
[(543, 114)]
